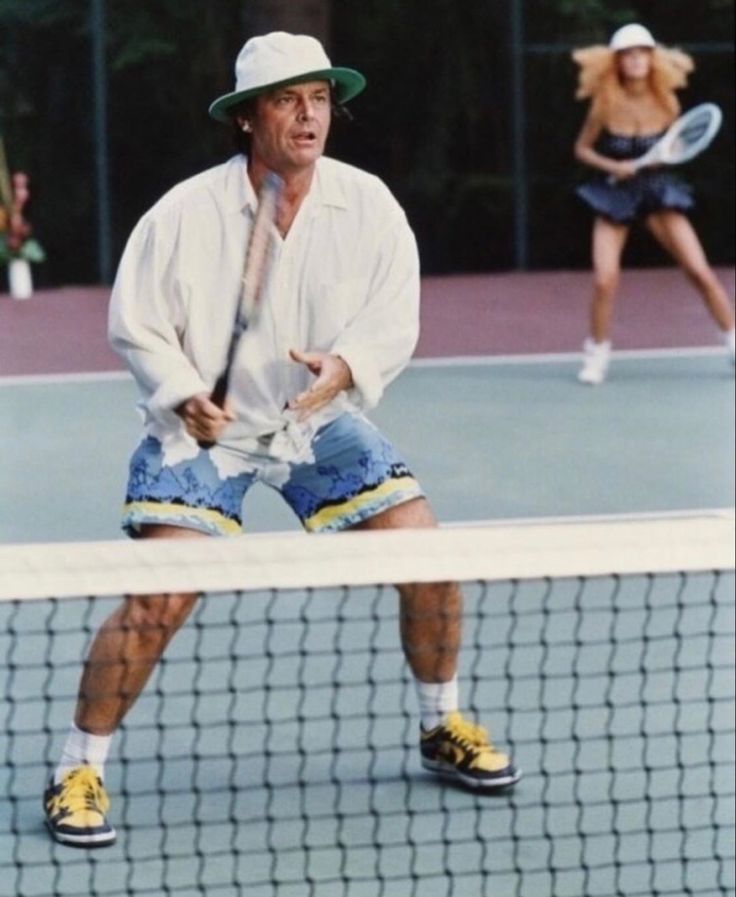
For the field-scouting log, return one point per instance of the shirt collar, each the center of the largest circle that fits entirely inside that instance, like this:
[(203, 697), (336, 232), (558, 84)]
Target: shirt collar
[(239, 192), (330, 189), (326, 189)]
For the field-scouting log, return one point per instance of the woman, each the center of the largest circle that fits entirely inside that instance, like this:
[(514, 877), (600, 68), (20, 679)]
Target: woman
[(631, 85)]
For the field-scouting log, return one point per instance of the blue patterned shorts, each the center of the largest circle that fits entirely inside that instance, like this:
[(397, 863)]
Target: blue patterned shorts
[(352, 474)]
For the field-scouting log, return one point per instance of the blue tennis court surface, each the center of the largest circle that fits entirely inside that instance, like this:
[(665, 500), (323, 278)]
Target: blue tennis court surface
[(487, 440)]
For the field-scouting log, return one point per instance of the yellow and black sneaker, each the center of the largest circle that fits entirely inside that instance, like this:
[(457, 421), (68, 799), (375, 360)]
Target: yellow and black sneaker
[(461, 750), (75, 810)]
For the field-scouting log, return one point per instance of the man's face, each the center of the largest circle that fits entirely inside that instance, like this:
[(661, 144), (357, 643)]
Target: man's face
[(290, 126)]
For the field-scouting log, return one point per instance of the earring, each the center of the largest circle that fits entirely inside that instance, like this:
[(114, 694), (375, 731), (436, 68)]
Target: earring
[(246, 127)]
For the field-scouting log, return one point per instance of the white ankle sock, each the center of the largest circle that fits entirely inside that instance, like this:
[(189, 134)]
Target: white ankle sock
[(729, 338), (436, 700), (83, 748), (591, 347)]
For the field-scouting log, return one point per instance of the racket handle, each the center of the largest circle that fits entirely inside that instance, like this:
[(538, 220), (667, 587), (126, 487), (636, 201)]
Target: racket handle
[(219, 393), (217, 397)]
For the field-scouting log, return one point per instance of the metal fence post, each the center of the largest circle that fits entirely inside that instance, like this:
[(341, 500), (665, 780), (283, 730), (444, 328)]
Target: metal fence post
[(99, 87), (518, 137)]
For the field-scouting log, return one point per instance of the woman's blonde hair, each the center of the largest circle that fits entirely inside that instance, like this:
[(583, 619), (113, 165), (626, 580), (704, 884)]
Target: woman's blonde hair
[(598, 78)]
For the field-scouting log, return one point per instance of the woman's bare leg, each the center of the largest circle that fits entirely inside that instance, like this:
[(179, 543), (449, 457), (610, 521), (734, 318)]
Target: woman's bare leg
[(677, 236)]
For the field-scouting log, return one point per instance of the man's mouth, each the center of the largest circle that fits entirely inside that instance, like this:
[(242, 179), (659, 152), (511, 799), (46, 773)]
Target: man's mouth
[(305, 136)]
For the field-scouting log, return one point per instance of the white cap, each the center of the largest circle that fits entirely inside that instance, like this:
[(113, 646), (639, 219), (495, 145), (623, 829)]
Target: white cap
[(629, 36)]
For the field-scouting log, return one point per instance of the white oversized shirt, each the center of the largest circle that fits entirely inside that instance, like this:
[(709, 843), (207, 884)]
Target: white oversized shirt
[(345, 280)]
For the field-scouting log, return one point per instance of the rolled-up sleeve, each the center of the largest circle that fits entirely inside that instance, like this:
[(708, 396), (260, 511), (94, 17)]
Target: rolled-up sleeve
[(147, 316), (378, 343)]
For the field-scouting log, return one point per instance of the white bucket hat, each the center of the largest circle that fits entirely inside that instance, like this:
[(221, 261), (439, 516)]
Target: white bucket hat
[(278, 59), (629, 36)]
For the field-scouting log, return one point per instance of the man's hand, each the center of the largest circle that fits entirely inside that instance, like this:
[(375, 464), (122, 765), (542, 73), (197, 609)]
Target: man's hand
[(333, 376), (203, 419)]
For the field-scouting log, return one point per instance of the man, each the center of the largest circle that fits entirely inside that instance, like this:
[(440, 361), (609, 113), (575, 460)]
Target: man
[(339, 321)]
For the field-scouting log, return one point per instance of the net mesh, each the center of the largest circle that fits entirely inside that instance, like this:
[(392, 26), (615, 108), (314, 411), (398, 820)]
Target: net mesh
[(274, 751)]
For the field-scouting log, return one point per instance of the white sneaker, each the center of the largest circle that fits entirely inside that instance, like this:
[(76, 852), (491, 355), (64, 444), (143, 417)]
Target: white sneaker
[(596, 358), (729, 338)]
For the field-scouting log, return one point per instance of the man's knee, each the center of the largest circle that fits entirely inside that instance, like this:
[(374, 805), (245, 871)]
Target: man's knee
[(156, 618), (430, 604)]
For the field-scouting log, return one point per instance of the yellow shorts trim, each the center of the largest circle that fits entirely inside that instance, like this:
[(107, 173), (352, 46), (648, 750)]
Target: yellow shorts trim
[(178, 515), (323, 518)]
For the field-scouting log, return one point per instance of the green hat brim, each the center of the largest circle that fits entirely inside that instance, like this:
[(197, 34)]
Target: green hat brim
[(348, 84)]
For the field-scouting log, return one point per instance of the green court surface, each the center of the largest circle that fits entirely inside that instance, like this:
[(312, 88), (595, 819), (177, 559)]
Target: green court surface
[(487, 441)]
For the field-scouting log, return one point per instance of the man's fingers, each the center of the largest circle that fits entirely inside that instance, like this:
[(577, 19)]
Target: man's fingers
[(312, 400), (203, 419), (208, 411), (313, 360), (333, 375)]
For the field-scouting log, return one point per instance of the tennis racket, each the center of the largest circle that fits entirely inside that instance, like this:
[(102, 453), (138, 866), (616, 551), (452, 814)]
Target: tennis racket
[(685, 138), (254, 276)]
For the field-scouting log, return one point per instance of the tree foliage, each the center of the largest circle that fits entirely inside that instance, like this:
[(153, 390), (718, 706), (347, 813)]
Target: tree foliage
[(435, 121)]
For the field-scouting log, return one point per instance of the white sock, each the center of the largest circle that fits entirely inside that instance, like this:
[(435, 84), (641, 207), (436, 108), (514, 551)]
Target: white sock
[(436, 700), (591, 347), (83, 748), (729, 338)]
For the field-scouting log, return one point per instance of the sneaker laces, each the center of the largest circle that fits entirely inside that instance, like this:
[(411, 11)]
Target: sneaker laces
[(469, 734), (81, 790)]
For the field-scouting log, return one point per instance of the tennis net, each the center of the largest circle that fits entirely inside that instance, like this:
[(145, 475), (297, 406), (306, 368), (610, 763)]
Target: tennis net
[(275, 749)]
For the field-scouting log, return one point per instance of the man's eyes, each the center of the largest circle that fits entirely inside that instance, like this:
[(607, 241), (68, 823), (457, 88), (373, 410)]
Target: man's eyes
[(290, 99)]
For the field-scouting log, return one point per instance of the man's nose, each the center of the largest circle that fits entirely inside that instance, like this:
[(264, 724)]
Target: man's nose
[(306, 110)]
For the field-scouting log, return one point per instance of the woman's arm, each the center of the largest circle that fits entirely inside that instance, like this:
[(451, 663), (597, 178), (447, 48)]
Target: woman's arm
[(585, 152)]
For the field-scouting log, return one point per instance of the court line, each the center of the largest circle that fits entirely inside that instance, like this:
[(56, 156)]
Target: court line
[(439, 362), (555, 357), (80, 377), (726, 512)]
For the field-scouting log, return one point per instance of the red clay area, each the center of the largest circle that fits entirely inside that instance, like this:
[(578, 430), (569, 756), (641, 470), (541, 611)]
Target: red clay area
[(64, 330), (518, 313)]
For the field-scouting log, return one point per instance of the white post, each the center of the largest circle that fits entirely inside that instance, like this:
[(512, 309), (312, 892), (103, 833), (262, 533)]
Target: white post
[(20, 281)]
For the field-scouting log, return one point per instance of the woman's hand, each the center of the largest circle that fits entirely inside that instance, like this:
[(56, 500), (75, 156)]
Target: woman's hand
[(623, 170)]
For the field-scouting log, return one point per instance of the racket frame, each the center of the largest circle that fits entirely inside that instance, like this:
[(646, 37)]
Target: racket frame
[(252, 282), (657, 155)]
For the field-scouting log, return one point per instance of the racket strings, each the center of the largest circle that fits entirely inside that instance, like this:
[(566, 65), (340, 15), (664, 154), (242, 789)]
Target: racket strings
[(695, 130), (690, 135)]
